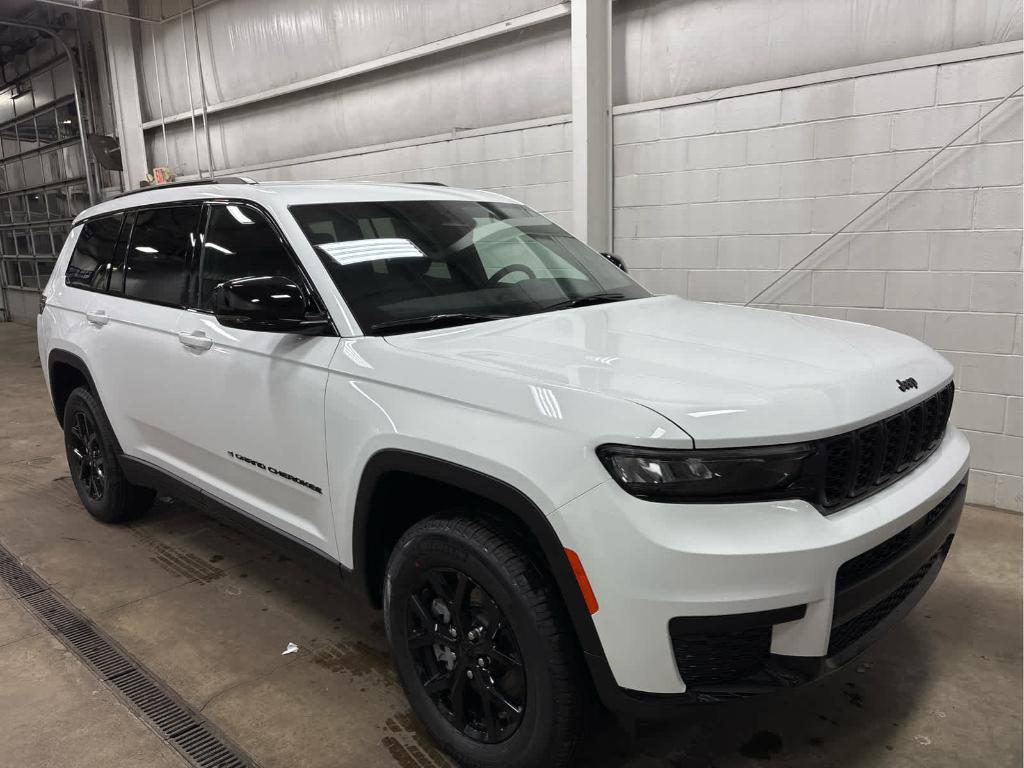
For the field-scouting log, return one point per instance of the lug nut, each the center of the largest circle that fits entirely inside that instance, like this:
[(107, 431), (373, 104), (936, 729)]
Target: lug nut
[(480, 661), (469, 673)]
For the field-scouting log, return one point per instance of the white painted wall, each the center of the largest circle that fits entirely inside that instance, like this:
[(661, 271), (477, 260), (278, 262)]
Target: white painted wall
[(714, 199)]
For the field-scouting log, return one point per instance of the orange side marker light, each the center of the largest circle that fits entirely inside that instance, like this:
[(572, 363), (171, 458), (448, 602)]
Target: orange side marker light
[(581, 578)]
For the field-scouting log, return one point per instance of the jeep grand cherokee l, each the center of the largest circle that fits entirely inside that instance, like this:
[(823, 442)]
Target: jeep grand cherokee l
[(551, 480)]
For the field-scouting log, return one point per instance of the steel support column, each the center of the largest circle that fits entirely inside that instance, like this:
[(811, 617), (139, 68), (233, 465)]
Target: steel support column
[(121, 60), (591, 122)]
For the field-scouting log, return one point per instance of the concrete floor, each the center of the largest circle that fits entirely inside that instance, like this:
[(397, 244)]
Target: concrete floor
[(210, 611)]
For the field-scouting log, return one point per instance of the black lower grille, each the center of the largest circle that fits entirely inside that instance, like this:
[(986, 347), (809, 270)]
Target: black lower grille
[(876, 558), (847, 633), (715, 659)]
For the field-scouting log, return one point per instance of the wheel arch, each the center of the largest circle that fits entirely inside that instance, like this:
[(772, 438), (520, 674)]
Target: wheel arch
[(67, 371), (371, 549)]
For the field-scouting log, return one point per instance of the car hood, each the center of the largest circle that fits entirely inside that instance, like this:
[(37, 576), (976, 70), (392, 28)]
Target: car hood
[(726, 375)]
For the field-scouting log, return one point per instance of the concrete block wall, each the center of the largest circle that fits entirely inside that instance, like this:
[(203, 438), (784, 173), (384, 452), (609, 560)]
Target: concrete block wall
[(531, 163), (714, 199)]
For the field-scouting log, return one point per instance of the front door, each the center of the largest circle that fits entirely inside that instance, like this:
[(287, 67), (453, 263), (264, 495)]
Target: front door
[(255, 401)]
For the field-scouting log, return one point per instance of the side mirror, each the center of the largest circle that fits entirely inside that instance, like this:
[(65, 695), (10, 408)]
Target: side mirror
[(272, 304), (616, 261)]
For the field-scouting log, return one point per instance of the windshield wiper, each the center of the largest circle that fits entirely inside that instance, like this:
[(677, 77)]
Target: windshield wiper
[(441, 320), (583, 301)]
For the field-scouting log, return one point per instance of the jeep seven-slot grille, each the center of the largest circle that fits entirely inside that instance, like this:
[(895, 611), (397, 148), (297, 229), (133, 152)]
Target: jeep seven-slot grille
[(862, 461)]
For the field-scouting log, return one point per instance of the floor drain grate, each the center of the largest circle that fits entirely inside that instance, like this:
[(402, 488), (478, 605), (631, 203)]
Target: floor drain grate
[(20, 581), (169, 717), (52, 611), (172, 719), (106, 660), (206, 749)]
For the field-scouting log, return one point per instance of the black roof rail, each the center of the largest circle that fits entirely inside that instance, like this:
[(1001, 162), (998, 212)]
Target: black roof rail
[(193, 183), (428, 183)]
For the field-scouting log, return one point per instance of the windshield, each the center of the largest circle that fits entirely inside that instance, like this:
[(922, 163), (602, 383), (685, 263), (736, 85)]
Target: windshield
[(409, 265)]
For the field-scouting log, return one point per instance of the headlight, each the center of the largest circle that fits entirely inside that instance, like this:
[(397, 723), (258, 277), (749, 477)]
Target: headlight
[(773, 472)]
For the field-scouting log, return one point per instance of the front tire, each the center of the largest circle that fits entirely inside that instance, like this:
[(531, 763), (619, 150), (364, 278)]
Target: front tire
[(92, 459), (483, 646)]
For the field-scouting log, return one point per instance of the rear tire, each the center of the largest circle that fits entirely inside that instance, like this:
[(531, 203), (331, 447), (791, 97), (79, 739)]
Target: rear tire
[(92, 458), (470, 617)]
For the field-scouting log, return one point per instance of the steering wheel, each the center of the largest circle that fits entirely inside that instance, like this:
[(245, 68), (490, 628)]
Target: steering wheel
[(509, 269)]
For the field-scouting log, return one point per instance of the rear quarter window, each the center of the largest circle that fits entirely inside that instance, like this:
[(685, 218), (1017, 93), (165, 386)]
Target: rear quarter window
[(93, 256)]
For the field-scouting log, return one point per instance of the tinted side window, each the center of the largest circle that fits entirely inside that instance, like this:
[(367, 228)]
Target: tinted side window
[(240, 242), (117, 265), (157, 261), (91, 261)]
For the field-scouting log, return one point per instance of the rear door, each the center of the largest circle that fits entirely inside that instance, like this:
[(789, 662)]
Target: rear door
[(253, 402), (136, 357), (87, 276), (75, 299)]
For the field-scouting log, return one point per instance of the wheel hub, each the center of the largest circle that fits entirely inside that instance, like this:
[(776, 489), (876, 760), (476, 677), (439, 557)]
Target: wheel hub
[(466, 656), (86, 456)]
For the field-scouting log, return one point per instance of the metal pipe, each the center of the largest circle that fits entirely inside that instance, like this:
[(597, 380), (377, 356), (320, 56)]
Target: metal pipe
[(107, 65), (161, 20), (160, 97), (191, 106), (77, 93), (3, 310), (202, 91), (87, 95), (100, 11), (165, 19)]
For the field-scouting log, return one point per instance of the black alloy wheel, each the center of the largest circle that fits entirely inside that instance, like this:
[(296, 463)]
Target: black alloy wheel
[(482, 644), (86, 456), (466, 656), (92, 452)]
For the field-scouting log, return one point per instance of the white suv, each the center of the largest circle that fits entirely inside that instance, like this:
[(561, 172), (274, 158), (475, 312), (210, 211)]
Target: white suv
[(553, 481)]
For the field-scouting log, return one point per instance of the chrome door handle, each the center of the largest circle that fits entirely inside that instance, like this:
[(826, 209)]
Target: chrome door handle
[(196, 340), (97, 317)]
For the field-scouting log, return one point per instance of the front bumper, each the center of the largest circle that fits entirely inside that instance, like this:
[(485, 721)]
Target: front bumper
[(707, 601)]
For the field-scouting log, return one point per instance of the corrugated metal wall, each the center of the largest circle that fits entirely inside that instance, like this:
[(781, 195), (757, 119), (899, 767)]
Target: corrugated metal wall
[(668, 48), (251, 47), (661, 48)]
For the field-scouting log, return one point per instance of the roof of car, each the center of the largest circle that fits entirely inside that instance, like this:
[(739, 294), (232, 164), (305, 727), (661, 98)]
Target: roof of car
[(288, 192)]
